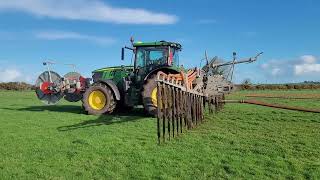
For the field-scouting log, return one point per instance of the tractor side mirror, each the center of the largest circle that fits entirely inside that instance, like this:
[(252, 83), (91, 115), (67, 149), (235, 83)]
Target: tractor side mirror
[(122, 54)]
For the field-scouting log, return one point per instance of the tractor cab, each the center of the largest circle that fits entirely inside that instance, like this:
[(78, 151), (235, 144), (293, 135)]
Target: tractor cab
[(149, 58), (152, 56), (156, 54)]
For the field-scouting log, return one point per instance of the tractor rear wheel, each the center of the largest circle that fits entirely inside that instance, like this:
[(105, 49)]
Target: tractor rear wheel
[(98, 99), (149, 95)]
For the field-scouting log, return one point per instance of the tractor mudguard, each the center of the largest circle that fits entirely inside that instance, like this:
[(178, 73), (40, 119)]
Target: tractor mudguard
[(113, 87), (164, 69)]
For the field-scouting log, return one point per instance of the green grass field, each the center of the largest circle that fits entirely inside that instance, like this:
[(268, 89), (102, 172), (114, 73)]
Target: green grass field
[(242, 141)]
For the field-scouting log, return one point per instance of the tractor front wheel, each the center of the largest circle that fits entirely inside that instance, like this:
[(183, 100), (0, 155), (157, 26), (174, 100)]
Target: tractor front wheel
[(98, 99)]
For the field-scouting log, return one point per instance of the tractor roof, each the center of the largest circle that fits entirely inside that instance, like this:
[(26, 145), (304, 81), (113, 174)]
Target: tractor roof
[(157, 43)]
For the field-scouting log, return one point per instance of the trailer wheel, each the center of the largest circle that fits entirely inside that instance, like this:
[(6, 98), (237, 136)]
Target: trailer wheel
[(98, 99), (149, 95)]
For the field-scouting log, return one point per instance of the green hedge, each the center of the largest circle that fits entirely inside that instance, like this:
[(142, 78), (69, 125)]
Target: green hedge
[(16, 86), (279, 86)]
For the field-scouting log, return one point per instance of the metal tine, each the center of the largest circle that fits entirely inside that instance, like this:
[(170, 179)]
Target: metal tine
[(195, 109), (168, 111), (200, 104), (185, 110), (172, 110), (192, 109), (159, 113), (185, 96), (187, 118), (198, 109), (209, 105), (216, 103), (181, 113), (174, 107), (177, 109), (164, 116), (189, 111), (198, 112), (202, 108)]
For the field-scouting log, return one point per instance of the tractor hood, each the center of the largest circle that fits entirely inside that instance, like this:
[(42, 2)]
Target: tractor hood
[(115, 73), (114, 68)]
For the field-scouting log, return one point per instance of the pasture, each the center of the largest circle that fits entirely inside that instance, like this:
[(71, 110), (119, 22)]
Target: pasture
[(242, 141)]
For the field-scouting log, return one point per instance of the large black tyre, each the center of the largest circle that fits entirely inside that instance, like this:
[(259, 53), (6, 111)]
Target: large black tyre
[(149, 95), (99, 99)]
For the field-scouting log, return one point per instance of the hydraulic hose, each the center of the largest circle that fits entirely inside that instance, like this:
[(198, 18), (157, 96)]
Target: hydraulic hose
[(284, 97), (272, 105)]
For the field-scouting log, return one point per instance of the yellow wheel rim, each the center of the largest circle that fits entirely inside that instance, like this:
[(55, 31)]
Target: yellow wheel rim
[(97, 100), (154, 97)]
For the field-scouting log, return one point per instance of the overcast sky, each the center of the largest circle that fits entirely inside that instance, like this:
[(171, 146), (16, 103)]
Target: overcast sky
[(90, 33)]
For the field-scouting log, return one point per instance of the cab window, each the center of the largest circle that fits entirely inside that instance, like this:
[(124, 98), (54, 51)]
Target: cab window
[(175, 61), (150, 56), (140, 58)]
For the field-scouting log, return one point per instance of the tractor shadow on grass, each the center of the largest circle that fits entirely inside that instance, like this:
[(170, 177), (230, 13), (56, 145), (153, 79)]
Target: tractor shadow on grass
[(120, 116), (116, 118), (57, 108)]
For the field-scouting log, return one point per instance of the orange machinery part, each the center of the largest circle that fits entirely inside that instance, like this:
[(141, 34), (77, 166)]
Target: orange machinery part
[(191, 76)]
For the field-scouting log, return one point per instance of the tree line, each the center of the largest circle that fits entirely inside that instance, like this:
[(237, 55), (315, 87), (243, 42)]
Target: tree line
[(247, 85), (16, 86)]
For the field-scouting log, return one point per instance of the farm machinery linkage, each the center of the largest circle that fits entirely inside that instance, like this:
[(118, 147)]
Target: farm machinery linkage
[(156, 81)]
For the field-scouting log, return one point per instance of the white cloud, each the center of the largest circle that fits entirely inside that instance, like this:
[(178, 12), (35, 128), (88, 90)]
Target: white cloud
[(265, 66), (308, 65), (304, 66), (88, 10), (275, 67), (13, 74), (9, 75), (276, 71), (309, 59), (62, 35), (307, 69)]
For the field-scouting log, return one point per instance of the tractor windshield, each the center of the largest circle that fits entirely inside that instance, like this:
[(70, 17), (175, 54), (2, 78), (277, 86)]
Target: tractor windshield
[(154, 56)]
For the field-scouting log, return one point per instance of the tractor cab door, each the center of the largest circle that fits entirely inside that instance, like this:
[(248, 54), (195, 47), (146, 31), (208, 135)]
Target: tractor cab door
[(148, 59)]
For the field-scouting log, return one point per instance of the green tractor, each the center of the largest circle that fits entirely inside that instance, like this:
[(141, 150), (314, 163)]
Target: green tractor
[(128, 86)]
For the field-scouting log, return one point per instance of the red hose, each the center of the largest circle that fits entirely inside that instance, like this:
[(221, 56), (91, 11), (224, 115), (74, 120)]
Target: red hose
[(273, 105)]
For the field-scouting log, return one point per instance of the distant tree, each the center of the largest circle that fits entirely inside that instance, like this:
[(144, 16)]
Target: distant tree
[(246, 84), (16, 86)]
